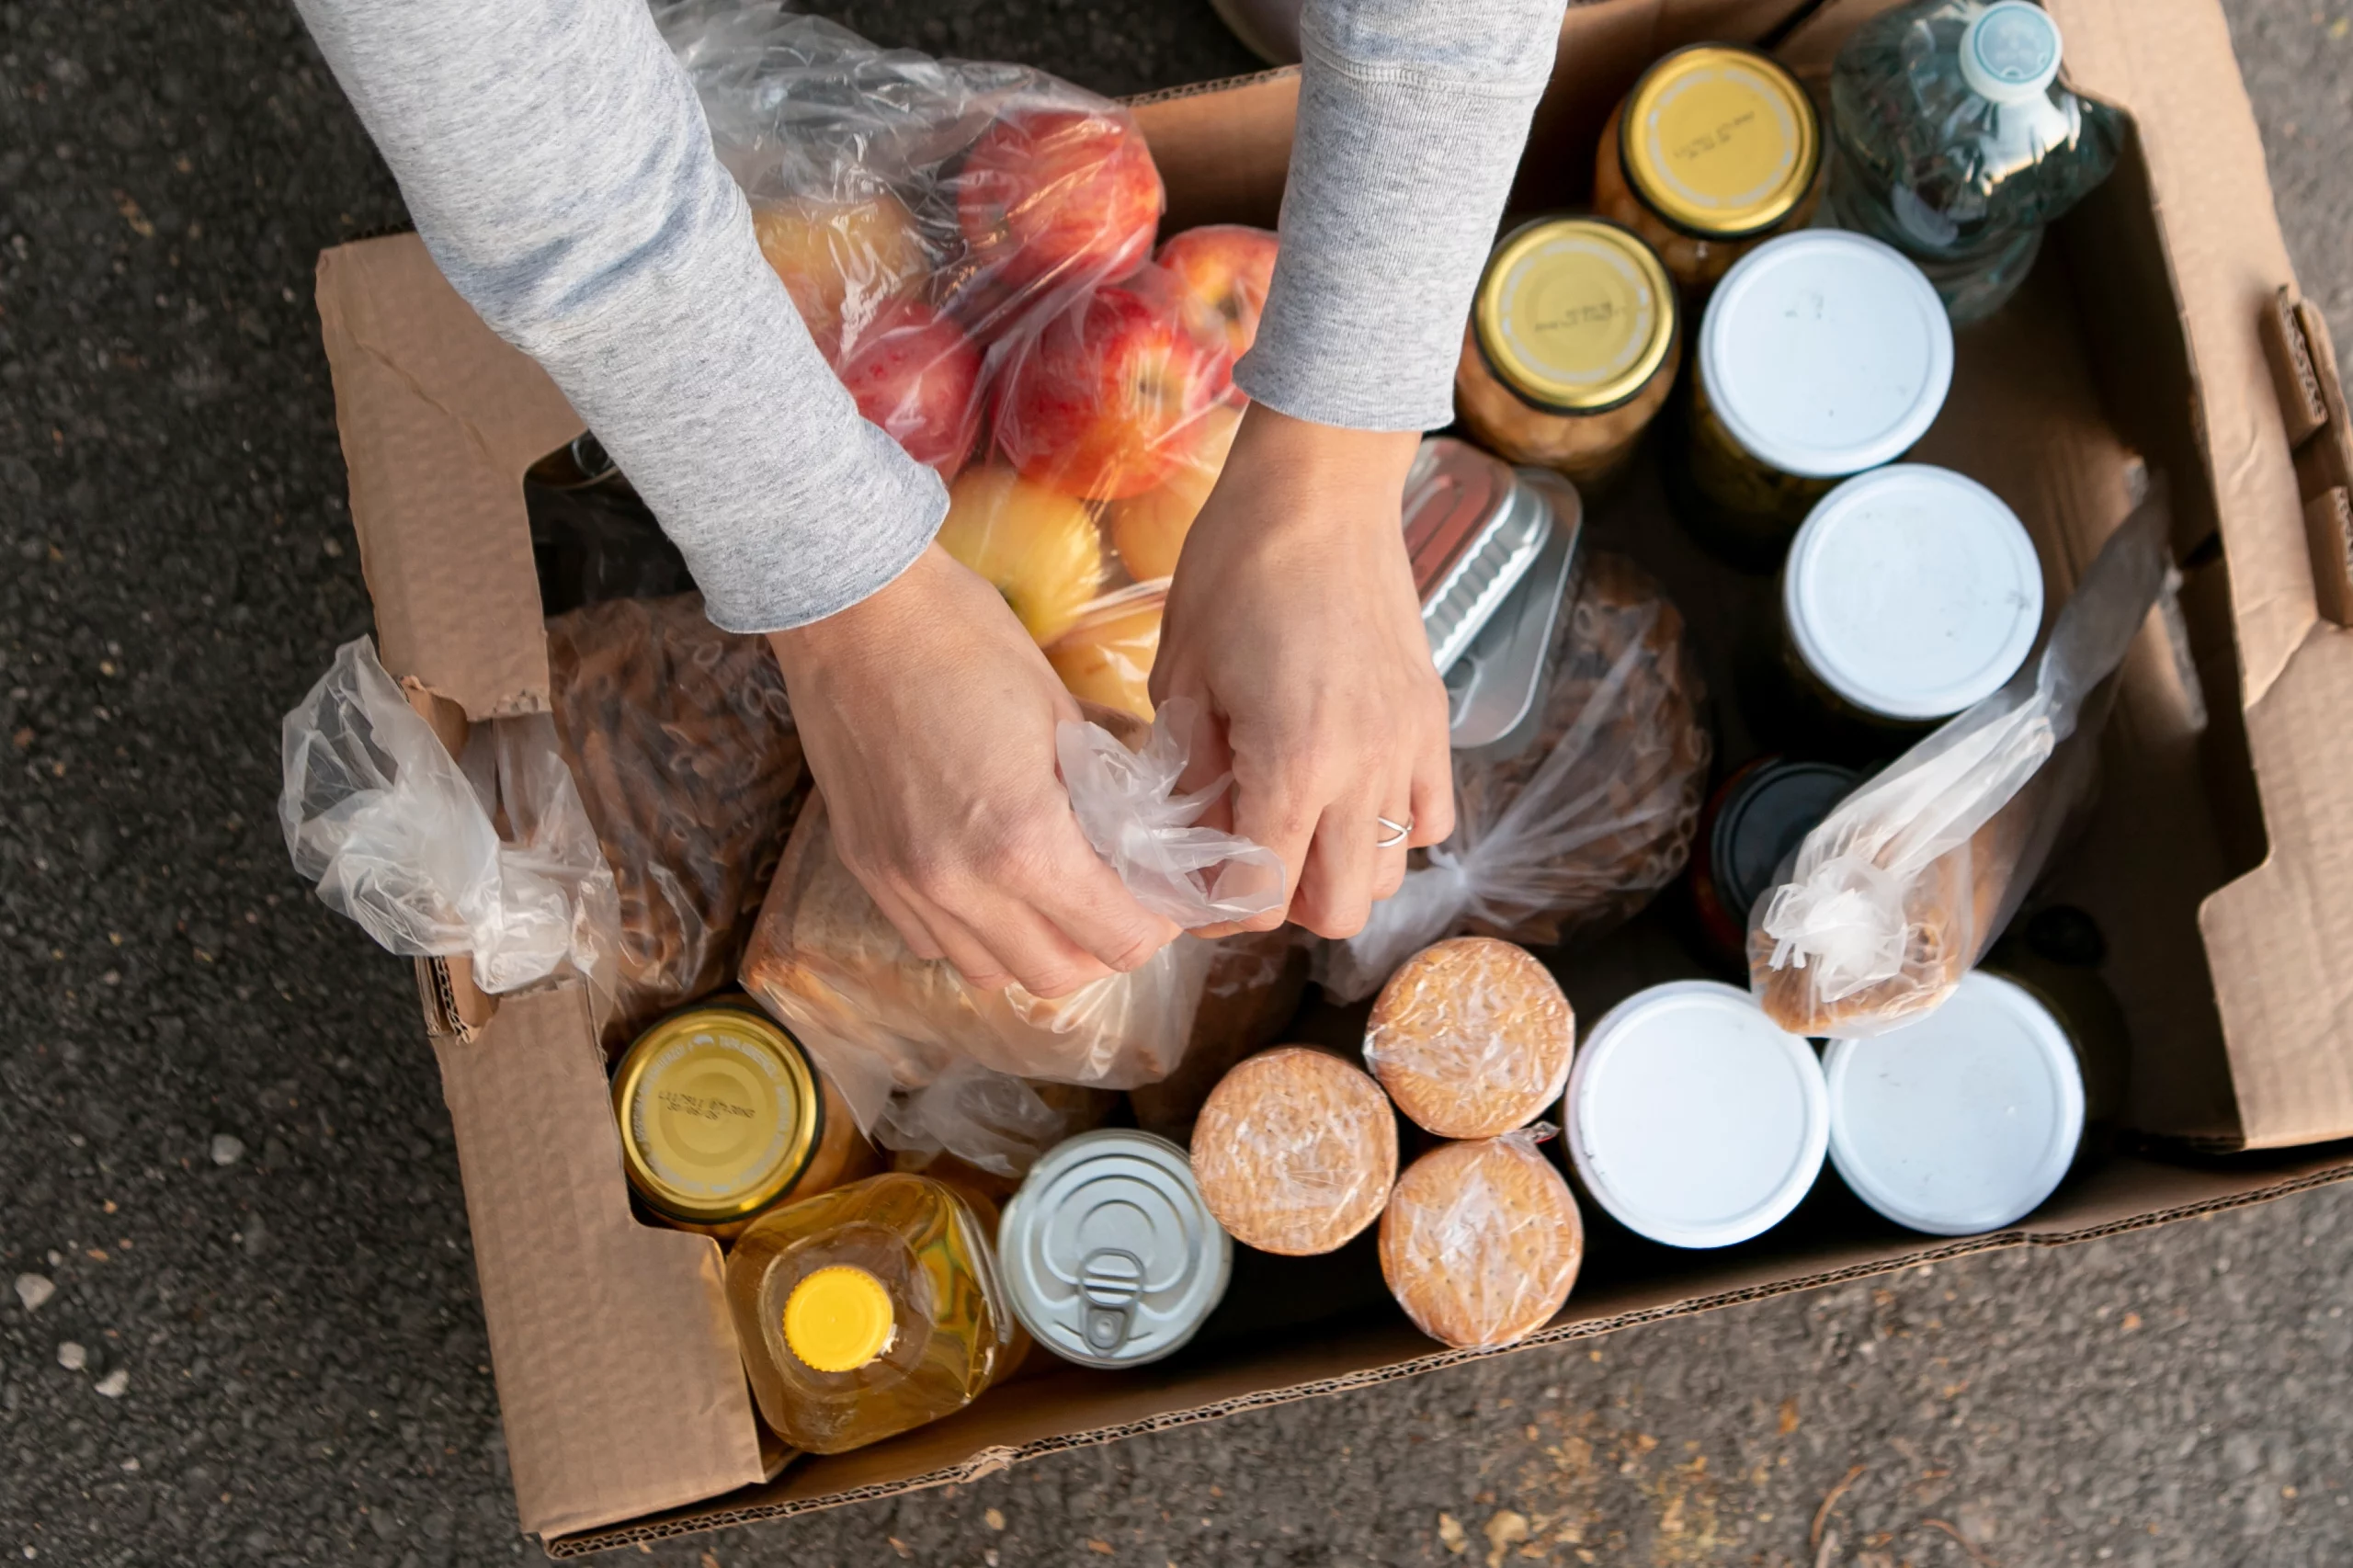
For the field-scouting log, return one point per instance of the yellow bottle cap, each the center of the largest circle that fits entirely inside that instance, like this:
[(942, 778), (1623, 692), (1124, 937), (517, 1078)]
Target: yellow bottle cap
[(1574, 315), (838, 1319), (720, 1112), (1719, 141)]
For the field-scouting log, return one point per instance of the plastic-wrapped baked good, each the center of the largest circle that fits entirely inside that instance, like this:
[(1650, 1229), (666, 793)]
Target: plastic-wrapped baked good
[(1573, 835), (1482, 1241), (1254, 985), (1471, 1037), (684, 749), (1295, 1150)]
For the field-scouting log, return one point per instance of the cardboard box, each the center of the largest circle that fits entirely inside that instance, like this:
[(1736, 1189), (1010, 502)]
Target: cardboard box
[(2163, 322)]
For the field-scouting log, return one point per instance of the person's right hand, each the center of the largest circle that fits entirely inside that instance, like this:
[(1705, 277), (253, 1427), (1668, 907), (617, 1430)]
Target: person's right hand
[(927, 715)]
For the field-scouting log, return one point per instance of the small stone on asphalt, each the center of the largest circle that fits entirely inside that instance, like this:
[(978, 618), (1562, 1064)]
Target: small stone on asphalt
[(113, 1384), (227, 1150), (72, 1357), (34, 1290)]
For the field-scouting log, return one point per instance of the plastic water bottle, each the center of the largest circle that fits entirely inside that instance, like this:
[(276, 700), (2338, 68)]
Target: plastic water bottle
[(1955, 143)]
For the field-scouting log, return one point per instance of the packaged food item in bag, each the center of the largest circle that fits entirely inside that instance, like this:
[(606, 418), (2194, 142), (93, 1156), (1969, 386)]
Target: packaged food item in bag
[(406, 840), (1295, 1152), (682, 744), (1106, 654), (886, 1025), (1902, 889), (1471, 1037), (1482, 1241), (1573, 835)]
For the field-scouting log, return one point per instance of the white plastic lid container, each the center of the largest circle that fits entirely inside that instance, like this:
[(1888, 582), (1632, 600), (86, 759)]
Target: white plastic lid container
[(1826, 353), (1964, 1122), (1912, 592), (2010, 51), (1692, 1119)]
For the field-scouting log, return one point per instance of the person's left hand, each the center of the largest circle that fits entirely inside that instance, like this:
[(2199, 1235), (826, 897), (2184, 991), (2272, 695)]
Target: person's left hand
[(1293, 622)]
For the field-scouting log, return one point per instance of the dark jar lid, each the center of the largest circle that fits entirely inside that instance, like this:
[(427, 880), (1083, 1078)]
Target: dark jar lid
[(1764, 815)]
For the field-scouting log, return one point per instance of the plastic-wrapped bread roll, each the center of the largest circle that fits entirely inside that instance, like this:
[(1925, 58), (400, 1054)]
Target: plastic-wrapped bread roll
[(1471, 1037), (1482, 1241), (1295, 1152), (680, 739)]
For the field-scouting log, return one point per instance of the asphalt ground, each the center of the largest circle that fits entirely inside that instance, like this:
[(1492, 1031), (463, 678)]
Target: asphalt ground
[(223, 1146)]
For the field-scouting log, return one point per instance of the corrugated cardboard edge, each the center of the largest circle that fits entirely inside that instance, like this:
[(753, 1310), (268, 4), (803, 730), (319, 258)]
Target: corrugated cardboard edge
[(564, 1265), (437, 420), (989, 1459)]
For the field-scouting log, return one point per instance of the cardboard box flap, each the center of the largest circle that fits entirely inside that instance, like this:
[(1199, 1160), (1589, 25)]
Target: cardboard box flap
[(2312, 401), (619, 1382), (439, 418)]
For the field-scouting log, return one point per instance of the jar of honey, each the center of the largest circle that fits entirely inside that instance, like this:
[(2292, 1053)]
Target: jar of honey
[(1717, 149), (723, 1115), (1571, 348)]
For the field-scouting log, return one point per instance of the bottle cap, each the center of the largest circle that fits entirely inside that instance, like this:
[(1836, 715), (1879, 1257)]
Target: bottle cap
[(1912, 592), (1693, 1118), (720, 1112), (1763, 819), (1574, 315), (1964, 1122), (1826, 353), (1721, 143), (1110, 1254), (2010, 51), (838, 1319)]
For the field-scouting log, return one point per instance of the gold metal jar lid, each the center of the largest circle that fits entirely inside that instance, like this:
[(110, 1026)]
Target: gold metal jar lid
[(720, 1112), (1720, 141), (1574, 315)]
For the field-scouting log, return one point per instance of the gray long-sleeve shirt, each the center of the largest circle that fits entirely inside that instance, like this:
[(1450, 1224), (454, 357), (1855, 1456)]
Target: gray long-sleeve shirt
[(558, 167)]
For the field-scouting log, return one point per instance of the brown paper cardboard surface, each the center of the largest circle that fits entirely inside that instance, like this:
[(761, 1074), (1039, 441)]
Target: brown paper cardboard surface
[(618, 1379), (439, 418)]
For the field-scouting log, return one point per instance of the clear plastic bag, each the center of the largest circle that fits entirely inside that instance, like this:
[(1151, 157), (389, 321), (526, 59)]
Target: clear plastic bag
[(1255, 983), (405, 838), (682, 744), (1901, 890), (1482, 1241), (885, 1023), (991, 1121), (1471, 1037), (1573, 834)]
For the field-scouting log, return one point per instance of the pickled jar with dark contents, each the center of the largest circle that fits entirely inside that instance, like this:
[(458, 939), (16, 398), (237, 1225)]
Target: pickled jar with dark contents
[(1571, 348), (1821, 356), (1716, 149), (1755, 822), (723, 1116), (1911, 592)]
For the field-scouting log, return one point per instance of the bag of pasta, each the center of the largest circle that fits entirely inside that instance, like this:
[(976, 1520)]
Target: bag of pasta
[(1572, 836), (1901, 890), (682, 744)]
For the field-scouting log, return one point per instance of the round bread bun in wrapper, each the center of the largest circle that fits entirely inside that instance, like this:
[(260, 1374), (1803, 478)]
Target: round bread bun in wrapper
[(1471, 1037), (1295, 1152), (1482, 1241)]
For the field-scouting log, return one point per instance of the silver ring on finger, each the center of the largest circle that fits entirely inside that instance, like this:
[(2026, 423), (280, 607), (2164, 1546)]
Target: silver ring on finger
[(1398, 832)]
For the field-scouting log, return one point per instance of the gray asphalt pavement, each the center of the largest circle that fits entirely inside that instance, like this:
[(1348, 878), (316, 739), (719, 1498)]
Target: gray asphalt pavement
[(246, 1329)]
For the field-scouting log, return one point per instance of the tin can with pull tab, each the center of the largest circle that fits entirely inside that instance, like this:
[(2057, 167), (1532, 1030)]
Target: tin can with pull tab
[(1109, 1255)]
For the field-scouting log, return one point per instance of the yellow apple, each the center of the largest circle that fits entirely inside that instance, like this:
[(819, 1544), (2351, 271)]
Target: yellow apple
[(841, 261), (1149, 530), (1038, 547), (1107, 656)]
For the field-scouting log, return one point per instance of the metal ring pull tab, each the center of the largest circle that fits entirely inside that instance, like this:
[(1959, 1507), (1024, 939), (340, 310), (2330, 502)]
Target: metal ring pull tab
[(1110, 1282)]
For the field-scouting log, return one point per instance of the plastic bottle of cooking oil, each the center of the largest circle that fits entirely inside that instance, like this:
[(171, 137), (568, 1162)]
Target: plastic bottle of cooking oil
[(867, 1310)]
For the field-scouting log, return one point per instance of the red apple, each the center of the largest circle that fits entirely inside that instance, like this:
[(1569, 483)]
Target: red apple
[(842, 261), (1115, 393), (1225, 269), (1051, 197), (916, 374)]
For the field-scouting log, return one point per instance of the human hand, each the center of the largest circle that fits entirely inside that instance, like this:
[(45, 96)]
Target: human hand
[(928, 716), (1292, 620)]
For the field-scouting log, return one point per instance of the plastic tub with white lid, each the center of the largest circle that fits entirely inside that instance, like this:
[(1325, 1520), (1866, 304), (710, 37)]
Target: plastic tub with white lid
[(1692, 1119), (1911, 592), (1965, 1122), (1821, 354)]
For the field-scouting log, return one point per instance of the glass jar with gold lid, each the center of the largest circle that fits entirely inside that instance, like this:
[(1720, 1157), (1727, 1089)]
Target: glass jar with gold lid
[(1571, 348), (723, 1116), (1716, 149)]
